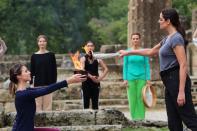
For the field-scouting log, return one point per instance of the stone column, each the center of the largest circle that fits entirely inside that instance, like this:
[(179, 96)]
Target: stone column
[(192, 49), (194, 19), (143, 16)]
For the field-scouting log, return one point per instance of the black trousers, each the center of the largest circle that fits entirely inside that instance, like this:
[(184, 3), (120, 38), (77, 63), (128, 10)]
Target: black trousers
[(90, 93), (178, 114)]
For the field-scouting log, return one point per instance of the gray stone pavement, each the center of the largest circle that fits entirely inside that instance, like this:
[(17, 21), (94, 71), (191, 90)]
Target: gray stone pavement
[(152, 114)]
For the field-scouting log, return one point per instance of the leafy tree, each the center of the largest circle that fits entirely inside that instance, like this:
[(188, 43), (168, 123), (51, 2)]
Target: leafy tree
[(185, 8), (68, 23), (64, 22), (111, 26)]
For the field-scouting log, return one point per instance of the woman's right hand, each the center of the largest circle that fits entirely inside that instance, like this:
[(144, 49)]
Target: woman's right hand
[(125, 83), (122, 53), (76, 78)]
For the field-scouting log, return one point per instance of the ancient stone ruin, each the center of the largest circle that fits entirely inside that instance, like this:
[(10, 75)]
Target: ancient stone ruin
[(67, 111)]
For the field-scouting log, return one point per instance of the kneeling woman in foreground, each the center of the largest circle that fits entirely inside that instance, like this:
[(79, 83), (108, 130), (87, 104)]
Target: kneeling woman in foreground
[(25, 97)]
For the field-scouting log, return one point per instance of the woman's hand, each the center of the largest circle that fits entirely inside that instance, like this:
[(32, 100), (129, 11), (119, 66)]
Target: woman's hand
[(122, 53), (125, 83), (148, 83), (95, 79), (76, 78), (181, 98)]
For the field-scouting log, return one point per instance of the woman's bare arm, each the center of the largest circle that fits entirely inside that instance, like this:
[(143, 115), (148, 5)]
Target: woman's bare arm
[(181, 57), (105, 69), (143, 52)]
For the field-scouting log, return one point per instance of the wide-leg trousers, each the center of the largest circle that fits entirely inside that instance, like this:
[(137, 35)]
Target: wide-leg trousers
[(90, 93), (134, 94), (178, 114)]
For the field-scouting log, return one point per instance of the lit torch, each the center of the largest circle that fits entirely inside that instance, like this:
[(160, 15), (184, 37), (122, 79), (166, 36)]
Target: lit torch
[(77, 63)]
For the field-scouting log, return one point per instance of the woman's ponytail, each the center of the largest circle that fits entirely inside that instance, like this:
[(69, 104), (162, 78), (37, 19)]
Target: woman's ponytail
[(12, 88), (173, 16), (14, 72)]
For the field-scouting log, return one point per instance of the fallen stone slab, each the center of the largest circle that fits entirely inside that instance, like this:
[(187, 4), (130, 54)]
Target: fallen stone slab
[(80, 128), (92, 128), (58, 118), (83, 118), (75, 117)]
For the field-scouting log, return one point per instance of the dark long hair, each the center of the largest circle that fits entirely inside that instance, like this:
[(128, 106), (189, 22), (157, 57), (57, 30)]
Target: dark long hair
[(173, 16), (14, 72)]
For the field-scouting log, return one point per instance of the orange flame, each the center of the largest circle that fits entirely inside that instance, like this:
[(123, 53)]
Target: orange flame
[(76, 61), (85, 48)]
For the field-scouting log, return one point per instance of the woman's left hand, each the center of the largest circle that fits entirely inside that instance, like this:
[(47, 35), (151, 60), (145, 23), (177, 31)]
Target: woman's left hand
[(148, 82), (181, 98), (95, 79)]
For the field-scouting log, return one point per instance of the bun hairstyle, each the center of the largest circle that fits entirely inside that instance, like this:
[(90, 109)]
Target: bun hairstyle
[(14, 72), (172, 15)]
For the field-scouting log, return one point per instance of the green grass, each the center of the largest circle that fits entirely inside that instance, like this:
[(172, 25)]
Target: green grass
[(146, 129)]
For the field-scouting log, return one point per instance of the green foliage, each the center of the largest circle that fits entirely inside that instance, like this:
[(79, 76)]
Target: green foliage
[(64, 22), (111, 26), (185, 8), (67, 23)]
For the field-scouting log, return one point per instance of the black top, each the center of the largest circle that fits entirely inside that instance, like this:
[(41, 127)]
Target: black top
[(91, 68), (43, 67), (26, 107)]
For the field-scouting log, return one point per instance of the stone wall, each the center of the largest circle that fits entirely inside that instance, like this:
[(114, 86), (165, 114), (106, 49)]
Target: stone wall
[(80, 119)]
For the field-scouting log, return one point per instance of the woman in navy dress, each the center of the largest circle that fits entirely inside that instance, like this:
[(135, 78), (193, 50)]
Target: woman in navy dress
[(25, 96)]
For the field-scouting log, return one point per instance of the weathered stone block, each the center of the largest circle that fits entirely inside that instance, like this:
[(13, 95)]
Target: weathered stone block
[(84, 119), (111, 48), (9, 107), (110, 90), (5, 96), (81, 128), (60, 105), (65, 118), (111, 117), (75, 117), (1, 119), (59, 118), (1, 107), (159, 88), (92, 128)]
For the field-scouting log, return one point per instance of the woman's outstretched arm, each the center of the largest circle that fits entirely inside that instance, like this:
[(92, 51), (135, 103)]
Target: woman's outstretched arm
[(143, 52), (34, 93)]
